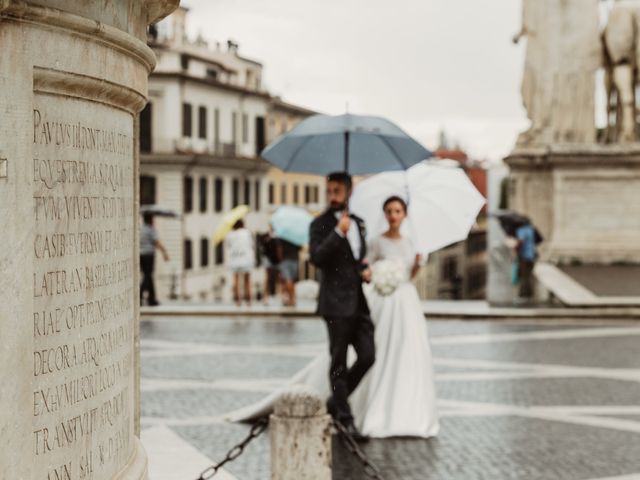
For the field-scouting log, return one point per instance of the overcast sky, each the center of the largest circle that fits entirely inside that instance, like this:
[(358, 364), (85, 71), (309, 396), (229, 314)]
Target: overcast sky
[(425, 64)]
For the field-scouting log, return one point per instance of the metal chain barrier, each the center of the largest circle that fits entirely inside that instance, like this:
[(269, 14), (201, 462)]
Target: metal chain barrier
[(256, 430), (261, 425), (369, 468)]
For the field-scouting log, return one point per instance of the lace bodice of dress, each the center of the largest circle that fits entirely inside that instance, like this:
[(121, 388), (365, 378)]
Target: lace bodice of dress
[(384, 248)]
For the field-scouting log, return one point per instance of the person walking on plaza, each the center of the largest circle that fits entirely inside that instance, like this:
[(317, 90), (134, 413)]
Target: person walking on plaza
[(239, 247), (270, 261), (288, 268), (149, 242), (338, 249), (527, 256)]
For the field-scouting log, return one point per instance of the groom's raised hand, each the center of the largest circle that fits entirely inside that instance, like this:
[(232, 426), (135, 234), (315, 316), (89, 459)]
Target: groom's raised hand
[(344, 223)]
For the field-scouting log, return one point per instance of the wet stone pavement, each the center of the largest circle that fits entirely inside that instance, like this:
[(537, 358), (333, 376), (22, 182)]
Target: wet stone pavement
[(545, 400)]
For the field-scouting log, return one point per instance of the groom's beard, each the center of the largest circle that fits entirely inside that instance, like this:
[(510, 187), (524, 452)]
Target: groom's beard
[(338, 207)]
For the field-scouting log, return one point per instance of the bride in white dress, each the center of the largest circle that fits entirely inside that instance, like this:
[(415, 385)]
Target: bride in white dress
[(397, 395)]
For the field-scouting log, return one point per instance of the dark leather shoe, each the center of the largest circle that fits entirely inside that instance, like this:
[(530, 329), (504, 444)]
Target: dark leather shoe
[(355, 433)]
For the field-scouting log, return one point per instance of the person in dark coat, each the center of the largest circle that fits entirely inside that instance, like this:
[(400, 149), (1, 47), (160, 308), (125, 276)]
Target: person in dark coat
[(338, 249), (271, 257)]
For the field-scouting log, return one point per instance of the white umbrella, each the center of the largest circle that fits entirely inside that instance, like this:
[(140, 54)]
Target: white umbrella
[(443, 204)]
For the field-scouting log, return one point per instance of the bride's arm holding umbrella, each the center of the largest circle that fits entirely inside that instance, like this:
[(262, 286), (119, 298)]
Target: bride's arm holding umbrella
[(417, 265)]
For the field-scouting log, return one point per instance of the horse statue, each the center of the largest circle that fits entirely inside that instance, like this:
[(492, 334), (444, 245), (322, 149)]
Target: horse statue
[(622, 58)]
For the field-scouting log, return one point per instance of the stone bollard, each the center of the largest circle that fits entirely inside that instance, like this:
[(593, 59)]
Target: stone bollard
[(300, 437)]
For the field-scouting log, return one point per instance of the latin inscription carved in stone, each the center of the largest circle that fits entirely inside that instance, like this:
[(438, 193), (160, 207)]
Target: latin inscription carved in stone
[(83, 288)]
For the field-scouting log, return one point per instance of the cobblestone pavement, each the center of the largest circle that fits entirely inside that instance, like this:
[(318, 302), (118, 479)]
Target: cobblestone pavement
[(546, 400)]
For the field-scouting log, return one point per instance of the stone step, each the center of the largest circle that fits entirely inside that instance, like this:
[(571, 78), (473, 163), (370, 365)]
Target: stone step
[(573, 294)]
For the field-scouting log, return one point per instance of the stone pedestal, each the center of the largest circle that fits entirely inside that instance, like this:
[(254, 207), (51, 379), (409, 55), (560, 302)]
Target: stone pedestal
[(73, 76), (300, 437), (584, 200)]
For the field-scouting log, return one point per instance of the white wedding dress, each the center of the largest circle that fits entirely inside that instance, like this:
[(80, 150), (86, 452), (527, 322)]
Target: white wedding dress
[(397, 396)]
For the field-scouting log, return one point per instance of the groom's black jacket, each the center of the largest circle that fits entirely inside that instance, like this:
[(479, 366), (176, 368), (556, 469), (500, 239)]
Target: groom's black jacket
[(340, 281)]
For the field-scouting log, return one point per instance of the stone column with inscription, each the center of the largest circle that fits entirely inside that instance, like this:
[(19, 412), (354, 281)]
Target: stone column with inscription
[(73, 77)]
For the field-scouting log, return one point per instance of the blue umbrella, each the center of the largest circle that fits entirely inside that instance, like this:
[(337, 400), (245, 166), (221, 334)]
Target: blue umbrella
[(292, 224), (356, 144)]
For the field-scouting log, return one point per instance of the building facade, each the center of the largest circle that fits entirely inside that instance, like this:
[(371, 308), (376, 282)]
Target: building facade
[(201, 135), (456, 272)]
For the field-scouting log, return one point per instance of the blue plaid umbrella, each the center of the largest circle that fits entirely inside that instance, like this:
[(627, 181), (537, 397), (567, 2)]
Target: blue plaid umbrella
[(356, 144)]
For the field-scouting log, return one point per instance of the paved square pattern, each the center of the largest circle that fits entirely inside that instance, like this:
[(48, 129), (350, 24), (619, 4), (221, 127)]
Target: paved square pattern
[(532, 401)]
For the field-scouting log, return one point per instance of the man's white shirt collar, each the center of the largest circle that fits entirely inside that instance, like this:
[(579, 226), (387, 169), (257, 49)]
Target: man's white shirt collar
[(353, 235)]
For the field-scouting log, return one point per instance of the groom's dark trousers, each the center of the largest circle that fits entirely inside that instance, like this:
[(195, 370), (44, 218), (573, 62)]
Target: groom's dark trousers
[(343, 306)]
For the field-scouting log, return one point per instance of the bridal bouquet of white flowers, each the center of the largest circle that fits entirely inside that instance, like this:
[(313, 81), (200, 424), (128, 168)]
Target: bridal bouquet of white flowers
[(387, 275)]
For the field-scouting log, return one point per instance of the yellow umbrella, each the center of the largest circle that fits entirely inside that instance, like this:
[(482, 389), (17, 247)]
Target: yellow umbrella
[(228, 221)]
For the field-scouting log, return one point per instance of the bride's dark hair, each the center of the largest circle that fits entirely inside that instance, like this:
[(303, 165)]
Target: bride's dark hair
[(392, 199)]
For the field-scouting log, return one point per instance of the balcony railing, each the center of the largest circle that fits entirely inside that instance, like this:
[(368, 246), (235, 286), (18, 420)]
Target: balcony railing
[(229, 149), (194, 146)]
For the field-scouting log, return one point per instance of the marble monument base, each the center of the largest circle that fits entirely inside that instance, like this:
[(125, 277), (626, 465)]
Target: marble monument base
[(584, 199), (73, 78)]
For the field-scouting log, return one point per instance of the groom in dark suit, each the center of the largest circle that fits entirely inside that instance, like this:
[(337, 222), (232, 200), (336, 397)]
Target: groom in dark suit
[(337, 247)]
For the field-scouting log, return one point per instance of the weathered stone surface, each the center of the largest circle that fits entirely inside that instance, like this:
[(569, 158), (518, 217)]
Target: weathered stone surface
[(300, 437), (299, 402), (73, 76), (584, 200), (562, 57), (582, 196)]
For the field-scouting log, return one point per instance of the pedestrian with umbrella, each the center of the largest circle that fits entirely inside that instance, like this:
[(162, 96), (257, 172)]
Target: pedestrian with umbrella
[(345, 145), (238, 244), (527, 238), (291, 227)]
